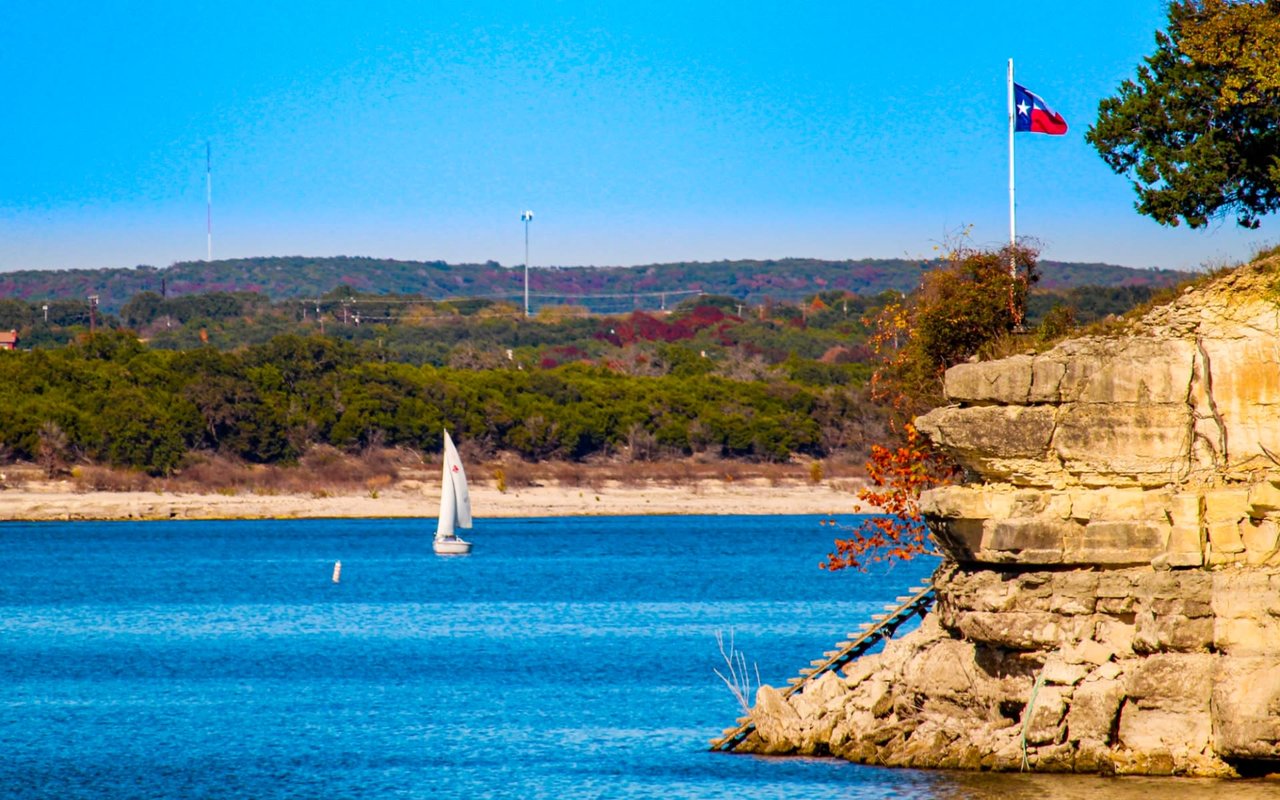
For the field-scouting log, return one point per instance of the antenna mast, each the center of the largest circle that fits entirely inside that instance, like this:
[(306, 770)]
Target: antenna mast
[(208, 194)]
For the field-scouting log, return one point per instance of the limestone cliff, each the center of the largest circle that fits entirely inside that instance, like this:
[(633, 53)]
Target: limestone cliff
[(1111, 597)]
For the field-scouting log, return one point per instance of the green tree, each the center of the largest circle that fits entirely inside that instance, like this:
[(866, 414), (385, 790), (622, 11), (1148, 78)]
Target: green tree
[(1243, 40), (137, 433), (1198, 131), (16, 313), (142, 309)]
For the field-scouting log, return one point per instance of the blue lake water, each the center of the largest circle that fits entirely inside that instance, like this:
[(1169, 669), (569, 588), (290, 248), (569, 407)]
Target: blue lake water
[(565, 658)]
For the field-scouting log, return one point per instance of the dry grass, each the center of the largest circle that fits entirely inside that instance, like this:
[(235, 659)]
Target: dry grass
[(323, 472), (105, 479), (1116, 326), (1032, 342), (681, 472), (667, 472), (328, 472), (597, 473)]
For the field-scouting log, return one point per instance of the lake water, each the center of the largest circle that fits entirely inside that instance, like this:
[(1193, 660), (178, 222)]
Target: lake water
[(565, 658)]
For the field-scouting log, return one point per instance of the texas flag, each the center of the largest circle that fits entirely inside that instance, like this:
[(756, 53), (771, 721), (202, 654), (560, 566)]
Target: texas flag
[(1033, 116)]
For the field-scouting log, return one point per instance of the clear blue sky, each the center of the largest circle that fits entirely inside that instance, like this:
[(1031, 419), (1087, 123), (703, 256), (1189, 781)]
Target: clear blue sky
[(636, 131)]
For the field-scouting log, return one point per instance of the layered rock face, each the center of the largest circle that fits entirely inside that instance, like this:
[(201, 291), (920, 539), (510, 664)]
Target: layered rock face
[(1111, 597)]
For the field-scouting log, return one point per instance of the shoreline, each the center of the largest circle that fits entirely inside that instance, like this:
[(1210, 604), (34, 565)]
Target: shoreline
[(59, 501)]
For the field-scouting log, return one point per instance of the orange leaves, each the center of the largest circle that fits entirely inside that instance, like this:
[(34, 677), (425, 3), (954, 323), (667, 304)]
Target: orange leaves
[(970, 299), (897, 476), (889, 330)]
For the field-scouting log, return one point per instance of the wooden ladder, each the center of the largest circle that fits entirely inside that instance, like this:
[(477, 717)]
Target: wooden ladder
[(868, 635)]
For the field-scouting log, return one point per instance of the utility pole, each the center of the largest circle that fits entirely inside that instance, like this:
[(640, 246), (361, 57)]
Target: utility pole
[(93, 318), (526, 217)]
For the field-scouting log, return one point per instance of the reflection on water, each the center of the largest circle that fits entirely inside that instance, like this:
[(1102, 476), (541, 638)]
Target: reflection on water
[(983, 786)]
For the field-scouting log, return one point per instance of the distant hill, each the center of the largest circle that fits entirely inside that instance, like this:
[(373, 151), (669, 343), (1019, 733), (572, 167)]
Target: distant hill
[(599, 288)]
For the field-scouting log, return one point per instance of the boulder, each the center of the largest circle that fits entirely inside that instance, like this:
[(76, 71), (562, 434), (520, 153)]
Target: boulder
[(1172, 682), (1110, 445), (1046, 712), (1128, 371), (999, 442), (1095, 708), (1004, 382), (1246, 393), (1119, 542), (1246, 708), (778, 725)]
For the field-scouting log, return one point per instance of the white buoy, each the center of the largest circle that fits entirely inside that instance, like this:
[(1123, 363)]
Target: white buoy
[(337, 571)]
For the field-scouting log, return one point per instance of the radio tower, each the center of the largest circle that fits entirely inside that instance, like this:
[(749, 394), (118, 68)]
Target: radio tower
[(208, 198)]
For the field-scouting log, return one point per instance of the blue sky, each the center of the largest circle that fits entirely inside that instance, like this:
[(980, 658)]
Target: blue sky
[(636, 132)]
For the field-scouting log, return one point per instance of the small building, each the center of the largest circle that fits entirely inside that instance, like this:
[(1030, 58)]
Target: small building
[(8, 340)]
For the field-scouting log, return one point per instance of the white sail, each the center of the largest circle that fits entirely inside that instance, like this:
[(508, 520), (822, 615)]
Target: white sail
[(448, 495), (455, 502), (458, 478)]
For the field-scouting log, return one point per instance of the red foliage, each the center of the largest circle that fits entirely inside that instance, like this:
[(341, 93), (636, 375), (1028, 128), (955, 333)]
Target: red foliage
[(561, 354), (639, 326), (705, 316), (897, 477)]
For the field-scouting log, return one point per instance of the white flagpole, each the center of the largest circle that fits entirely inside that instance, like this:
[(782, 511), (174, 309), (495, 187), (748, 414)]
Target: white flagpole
[(1013, 235), (208, 198)]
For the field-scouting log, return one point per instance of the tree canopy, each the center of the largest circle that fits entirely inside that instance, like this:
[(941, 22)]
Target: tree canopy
[(109, 399), (1198, 131)]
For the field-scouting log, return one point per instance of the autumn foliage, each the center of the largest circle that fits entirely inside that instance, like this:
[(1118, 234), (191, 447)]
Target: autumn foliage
[(897, 476), (972, 300)]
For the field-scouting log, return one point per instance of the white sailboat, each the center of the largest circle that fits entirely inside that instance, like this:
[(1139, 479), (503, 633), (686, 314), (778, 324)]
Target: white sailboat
[(455, 504)]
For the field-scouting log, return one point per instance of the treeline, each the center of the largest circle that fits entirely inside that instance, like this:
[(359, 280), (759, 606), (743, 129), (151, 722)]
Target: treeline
[(601, 289), (110, 399), (236, 374), (480, 334), (827, 331)]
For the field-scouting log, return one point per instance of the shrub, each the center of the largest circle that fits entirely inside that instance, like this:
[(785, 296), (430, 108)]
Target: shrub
[(897, 477)]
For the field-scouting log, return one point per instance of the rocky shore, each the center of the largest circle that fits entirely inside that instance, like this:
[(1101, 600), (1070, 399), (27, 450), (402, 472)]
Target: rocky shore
[(1111, 600), (1130, 671)]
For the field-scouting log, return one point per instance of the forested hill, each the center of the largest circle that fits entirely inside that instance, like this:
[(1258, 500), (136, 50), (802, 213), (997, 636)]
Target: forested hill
[(751, 281)]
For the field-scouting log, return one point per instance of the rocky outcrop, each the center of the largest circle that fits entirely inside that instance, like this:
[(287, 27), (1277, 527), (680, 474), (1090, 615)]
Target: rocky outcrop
[(1110, 600), (1159, 447), (1126, 671)]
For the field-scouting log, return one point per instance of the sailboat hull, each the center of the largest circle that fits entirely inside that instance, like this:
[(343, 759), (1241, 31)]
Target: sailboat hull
[(452, 546)]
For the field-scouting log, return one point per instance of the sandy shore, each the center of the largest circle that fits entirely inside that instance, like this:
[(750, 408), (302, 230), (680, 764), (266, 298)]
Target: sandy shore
[(410, 499)]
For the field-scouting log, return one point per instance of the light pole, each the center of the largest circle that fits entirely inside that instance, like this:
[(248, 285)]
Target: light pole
[(526, 217)]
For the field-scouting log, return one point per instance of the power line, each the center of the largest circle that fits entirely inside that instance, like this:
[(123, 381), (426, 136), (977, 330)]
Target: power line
[(598, 302)]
